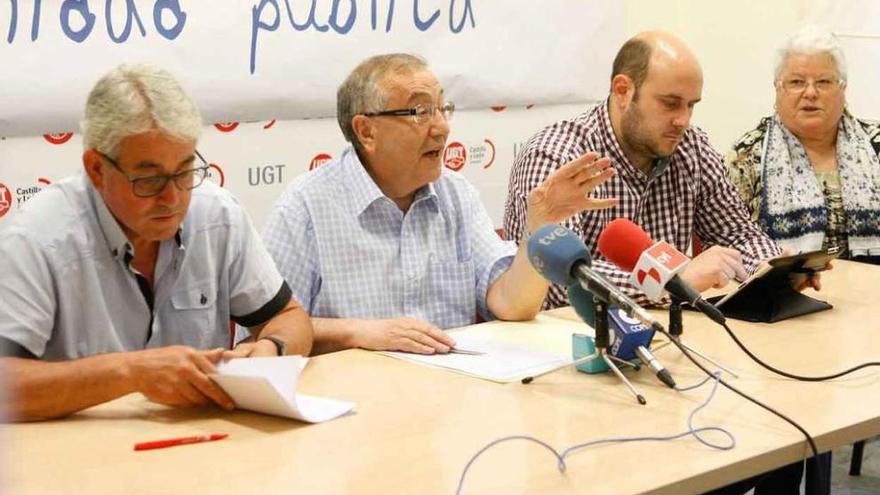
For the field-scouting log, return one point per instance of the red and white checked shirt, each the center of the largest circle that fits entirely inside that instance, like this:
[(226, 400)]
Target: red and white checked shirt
[(687, 195)]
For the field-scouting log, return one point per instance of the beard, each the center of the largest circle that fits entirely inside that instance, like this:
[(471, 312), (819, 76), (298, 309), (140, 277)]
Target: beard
[(637, 138)]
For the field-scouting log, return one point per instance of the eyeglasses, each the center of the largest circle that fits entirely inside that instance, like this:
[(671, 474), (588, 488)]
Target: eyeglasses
[(153, 185), (798, 85), (421, 114)]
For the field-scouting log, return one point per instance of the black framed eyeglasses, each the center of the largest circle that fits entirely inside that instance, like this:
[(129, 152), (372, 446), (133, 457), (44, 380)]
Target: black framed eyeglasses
[(421, 113), (153, 185)]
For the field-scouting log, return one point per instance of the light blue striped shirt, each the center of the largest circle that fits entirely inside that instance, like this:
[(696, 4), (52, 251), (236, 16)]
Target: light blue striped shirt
[(348, 251)]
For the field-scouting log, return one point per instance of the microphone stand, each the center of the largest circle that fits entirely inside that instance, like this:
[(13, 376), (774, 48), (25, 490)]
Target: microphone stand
[(676, 329), (602, 342)]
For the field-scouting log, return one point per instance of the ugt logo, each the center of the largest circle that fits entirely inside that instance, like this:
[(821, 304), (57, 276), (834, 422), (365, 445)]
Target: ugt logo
[(215, 173), (454, 156), (5, 199), (318, 160), (58, 138)]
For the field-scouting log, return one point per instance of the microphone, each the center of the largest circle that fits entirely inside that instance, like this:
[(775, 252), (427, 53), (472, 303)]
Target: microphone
[(561, 257), (662, 373), (631, 339), (654, 266)]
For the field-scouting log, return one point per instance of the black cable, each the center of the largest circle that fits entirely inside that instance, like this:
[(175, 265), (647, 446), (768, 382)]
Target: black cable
[(792, 375), (742, 394)]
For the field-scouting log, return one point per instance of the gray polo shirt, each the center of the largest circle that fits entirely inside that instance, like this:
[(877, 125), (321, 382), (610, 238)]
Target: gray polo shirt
[(68, 290)]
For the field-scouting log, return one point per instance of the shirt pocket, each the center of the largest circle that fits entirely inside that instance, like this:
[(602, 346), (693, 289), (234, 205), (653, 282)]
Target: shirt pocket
[(194, 321), (451, 298)]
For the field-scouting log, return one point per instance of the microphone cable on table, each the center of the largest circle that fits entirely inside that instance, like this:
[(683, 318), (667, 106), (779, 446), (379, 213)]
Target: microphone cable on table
[(560, 456), (812, 443)]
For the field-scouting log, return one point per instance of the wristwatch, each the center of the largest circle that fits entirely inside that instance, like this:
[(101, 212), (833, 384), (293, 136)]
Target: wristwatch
[(280, 345)]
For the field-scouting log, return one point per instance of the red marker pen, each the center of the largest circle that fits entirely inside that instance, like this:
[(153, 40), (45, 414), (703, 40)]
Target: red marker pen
[(172, 442)]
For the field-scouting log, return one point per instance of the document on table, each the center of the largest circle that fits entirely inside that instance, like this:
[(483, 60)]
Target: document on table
[(500, 362), (268, 385)]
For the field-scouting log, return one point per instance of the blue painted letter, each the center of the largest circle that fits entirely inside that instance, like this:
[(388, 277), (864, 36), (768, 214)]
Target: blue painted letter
[(126, 31), (81, 6), (423, 25), (35, 23), (257, 24), (467, 10), (352, 15), (13, 20), (309, 22), (179, 15)]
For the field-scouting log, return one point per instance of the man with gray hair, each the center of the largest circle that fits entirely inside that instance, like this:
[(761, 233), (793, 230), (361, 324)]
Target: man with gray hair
[(124, 278), (384, 247)]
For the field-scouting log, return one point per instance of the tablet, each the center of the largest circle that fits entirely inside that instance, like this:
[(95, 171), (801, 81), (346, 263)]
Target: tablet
[(783, 267)]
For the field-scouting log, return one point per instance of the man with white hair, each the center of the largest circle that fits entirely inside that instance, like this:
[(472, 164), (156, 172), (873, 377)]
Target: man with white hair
[(124, 278), (384, 247)]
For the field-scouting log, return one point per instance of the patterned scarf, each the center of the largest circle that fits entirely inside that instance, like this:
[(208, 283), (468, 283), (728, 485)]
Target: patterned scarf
[(793, 209)]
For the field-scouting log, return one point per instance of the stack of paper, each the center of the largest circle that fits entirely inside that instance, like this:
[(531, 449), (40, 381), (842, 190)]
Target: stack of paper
[(500, 361), (268, 385)]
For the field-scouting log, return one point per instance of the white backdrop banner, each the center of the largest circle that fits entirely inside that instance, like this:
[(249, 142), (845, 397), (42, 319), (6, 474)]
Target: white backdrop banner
[(283, 59)]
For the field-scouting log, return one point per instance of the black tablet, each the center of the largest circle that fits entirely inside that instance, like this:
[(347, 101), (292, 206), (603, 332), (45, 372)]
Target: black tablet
[(812, 262), (780, 271)]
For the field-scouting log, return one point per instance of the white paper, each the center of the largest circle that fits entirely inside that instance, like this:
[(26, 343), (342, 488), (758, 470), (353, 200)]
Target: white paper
[(500, 361), (268, 385)]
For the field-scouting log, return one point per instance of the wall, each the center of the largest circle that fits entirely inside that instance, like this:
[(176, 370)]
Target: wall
[(735, 42)]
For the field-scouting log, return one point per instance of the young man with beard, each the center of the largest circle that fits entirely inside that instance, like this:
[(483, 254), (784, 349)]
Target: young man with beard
[(669, 179)]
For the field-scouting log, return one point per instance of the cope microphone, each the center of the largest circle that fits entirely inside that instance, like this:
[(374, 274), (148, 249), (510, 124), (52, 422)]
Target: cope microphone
[(630, 338), (561, 257), (654, 266)]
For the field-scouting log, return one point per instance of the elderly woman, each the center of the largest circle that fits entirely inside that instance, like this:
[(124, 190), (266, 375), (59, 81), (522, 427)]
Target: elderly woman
[(810, 173)]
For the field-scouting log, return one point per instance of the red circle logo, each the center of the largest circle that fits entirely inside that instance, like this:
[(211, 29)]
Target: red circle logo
[(215, 173), (454, 156), (492, 159), (5, 199), (226, 126), (318, 160), (58, 138), (269, 124), (44, 181)]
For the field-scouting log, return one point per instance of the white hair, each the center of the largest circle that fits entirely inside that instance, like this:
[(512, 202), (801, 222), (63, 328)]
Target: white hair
[(133, 99), (810, 40), (361, 91)]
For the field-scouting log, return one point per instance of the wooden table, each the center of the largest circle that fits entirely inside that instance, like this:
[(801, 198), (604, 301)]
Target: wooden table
[(416, 427)]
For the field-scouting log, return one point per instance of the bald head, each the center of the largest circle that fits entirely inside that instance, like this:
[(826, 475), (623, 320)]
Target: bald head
[(653, 51), (656, 83)]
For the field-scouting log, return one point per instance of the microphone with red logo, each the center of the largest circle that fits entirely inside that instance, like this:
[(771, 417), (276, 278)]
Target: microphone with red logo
[(654, 265)]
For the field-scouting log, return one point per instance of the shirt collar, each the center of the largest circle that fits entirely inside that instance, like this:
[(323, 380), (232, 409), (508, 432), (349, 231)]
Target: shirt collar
[(117, 241), (363, 188)]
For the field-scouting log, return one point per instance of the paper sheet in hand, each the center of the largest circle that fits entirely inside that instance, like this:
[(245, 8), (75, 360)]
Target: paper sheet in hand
[(501, 361), (268, 385)]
